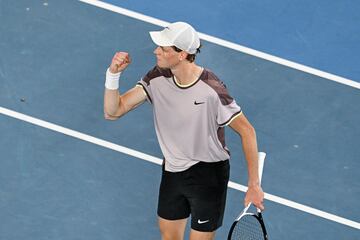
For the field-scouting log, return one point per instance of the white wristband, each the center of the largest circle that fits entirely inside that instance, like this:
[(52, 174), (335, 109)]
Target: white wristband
[(112, 80)]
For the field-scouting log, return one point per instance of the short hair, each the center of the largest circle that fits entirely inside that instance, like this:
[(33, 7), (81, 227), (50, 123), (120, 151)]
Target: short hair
[(189, 57)]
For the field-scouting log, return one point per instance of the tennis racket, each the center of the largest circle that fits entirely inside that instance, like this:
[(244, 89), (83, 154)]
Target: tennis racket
[(249, 225)]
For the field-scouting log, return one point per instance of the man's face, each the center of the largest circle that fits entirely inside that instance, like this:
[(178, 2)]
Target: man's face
[(166, 57)]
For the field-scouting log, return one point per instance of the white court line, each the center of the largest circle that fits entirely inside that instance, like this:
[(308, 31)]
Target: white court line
[(158, 161), (229, 44)]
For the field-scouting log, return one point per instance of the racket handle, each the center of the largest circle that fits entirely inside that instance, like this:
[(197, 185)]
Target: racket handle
[(261, 157)]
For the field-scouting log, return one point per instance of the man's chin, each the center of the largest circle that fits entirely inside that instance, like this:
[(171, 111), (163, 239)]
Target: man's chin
[(162, 67)]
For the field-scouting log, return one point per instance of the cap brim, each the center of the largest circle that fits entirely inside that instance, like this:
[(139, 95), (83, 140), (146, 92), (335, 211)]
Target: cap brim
[(160, 39)]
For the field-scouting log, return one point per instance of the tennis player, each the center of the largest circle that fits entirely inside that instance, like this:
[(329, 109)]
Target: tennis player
[(191, 107)]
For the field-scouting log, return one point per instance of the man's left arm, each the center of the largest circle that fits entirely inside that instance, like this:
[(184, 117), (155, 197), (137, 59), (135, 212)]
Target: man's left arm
[(243, 127)]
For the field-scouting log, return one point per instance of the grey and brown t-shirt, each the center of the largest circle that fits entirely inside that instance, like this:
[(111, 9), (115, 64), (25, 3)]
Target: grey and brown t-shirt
[(189, 120)]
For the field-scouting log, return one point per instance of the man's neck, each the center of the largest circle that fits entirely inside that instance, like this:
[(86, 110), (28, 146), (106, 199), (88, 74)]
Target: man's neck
[(186, 73)]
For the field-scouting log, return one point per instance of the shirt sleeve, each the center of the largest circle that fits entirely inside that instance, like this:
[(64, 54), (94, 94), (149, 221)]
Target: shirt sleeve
[(227, 108), (145, 83), (226, 113), (146, 88)]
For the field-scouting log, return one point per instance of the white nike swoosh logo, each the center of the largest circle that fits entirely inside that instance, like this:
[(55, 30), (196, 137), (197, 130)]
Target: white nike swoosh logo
[(202, 222)]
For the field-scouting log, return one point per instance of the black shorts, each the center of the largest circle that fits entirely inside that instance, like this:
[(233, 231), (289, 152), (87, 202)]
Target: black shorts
[(199, 191)]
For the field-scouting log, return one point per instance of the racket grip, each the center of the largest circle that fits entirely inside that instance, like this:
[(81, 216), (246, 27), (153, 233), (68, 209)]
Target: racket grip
[(261, 159)]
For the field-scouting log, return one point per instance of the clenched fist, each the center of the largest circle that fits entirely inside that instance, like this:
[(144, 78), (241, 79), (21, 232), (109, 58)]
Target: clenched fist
[(119, 62)]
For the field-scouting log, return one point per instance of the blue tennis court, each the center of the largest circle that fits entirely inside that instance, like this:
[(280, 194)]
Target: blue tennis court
[(67, 173)]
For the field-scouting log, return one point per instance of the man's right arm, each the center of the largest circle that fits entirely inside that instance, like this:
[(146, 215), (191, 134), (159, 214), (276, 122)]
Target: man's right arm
[(116, 105)]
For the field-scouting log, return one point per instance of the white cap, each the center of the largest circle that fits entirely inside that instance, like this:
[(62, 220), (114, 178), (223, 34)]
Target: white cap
[(178, 34)]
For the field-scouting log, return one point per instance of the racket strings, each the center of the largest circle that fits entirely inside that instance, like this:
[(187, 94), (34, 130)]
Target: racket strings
[(248, 228)]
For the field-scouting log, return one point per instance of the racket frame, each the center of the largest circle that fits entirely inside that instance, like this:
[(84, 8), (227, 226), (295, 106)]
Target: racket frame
[(258, 217)]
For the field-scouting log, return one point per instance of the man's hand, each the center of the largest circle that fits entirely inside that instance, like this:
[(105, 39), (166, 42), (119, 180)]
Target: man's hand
[(255, 195), (119, 62)]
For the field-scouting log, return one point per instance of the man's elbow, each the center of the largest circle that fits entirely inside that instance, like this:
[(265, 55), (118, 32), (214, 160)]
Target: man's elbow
[(110, 117)]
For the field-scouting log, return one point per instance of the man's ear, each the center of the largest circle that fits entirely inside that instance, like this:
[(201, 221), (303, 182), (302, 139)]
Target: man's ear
[(183, 55)]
